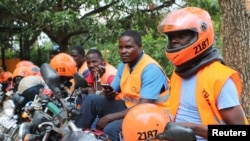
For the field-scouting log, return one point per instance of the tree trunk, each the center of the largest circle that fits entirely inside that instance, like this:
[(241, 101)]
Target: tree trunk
[(63, 46), (24, 48), (236, 43)]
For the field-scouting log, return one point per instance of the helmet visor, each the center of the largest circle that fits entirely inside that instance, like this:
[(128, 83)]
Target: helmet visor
[(179, 40)]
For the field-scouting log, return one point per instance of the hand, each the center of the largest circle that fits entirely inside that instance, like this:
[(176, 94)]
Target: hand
[(99, 70), (102, 122)]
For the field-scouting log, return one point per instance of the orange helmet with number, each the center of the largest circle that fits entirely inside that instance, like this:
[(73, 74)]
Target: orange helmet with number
[(63, 64), (144, 121), (193, 19), (24, 63)]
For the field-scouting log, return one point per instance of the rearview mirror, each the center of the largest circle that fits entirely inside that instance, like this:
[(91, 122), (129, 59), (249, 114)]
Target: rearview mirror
[(80, 82), (50, 77)]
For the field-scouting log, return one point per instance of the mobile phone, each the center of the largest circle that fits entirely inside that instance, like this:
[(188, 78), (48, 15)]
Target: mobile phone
[(101, 66), (107, 87)]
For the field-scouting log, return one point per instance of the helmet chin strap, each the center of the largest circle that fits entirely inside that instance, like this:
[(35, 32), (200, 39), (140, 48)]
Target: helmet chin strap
[(189, 68)]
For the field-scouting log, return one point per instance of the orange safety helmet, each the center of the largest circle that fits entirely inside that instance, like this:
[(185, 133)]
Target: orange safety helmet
[(22, 71), (189, 18), (63, 64), (24, 63), (7, 76), (144, 121)]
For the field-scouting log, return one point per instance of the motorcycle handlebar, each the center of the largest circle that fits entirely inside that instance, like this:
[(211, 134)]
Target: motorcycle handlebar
[(58, 130)]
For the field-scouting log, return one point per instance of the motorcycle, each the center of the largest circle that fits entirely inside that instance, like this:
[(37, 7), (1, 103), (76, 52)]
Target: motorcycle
[(57, 121), (53, 118), (11, 115)]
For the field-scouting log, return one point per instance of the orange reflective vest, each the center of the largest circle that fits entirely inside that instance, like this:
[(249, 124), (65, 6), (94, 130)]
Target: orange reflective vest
[(83, 68), (208, 87), (131, 83), (5, 76), (109, 71)]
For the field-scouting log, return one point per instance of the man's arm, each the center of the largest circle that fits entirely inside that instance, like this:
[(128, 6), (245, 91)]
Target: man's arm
[(231, 115), (118, 115)]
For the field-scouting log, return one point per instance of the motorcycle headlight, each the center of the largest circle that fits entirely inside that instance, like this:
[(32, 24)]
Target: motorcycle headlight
[(9, 107)]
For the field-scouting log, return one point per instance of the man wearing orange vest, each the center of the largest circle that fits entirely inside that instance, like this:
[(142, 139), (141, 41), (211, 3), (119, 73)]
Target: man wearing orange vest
[(101, 72), (78, 54), (139, 79), (203, 89)]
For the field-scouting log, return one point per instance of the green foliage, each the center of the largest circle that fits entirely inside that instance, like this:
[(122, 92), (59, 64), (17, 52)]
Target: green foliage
[(40, 54), (99, 25), (110, 53), (97, 21), (156, 47), (10, 54)]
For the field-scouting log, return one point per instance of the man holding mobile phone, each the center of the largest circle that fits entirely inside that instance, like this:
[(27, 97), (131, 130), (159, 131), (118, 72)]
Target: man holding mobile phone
[(101, 72)]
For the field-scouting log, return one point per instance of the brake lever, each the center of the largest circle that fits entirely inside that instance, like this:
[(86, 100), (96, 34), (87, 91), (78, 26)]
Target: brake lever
[(175, 132)]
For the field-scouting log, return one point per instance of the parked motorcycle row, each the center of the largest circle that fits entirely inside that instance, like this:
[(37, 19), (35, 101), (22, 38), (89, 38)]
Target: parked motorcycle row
[(45, 118), (50, 117)]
